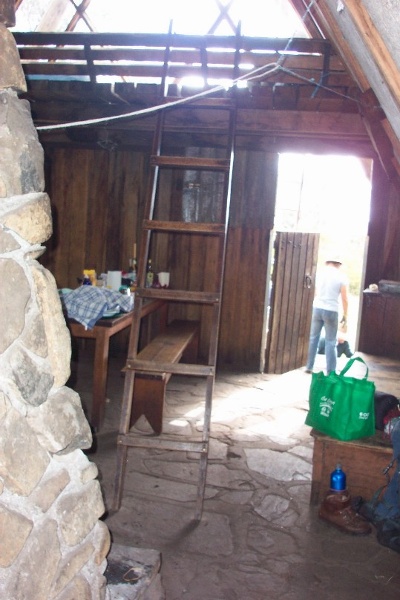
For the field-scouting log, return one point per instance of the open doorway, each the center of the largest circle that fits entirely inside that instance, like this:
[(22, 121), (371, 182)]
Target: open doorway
[(329, 195)]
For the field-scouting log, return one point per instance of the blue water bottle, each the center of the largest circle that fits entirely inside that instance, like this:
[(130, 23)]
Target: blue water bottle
[(338, 479)]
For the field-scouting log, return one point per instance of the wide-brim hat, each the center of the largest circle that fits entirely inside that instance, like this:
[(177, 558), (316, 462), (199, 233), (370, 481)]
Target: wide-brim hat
[(334, 259)]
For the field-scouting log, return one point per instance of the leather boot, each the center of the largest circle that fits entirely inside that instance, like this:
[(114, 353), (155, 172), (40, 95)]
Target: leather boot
[(337, 510), (344, 348)]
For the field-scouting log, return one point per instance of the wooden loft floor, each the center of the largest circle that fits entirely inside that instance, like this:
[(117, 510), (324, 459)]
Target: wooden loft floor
[(295, 74), (74, 76)]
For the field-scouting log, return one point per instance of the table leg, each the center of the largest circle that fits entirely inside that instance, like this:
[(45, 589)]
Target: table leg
[(100, 377)]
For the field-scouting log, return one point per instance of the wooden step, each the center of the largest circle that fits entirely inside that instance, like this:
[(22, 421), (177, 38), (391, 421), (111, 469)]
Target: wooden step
[(184, 227), (179, 295), (164, 443), (150, 366), (190, 162)]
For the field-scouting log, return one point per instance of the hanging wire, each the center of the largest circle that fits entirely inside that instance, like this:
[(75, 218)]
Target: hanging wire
[(266, 69)]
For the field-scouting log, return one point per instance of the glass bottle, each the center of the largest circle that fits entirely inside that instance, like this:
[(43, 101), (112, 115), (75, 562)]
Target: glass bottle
[(338, 479), (133, 275), (133, 270), (190, 201), (149, 274)]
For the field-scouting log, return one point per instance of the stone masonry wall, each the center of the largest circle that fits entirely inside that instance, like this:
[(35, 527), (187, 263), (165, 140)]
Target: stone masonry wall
[(52, 544)]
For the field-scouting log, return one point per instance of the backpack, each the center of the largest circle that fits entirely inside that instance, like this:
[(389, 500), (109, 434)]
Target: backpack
[(383, 510), (384, 403)]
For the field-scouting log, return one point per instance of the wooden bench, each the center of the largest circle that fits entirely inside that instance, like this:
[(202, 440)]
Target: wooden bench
[(178, 340), (362, 460)]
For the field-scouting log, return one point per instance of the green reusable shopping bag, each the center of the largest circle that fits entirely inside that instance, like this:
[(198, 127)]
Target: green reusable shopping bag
[(342, 407)]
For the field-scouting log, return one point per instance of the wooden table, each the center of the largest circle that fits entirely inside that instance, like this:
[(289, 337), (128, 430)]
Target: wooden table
[(101, 333)]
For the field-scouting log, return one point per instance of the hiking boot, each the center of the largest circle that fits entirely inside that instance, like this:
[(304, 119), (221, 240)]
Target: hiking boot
[(336, 509), (367, 511), (344, 348), (388, 534)]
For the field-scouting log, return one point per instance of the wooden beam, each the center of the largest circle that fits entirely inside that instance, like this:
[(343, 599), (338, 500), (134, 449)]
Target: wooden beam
[(362, 48), (323, 14), (80, 14), (223, 15), (373, 117), (253, 126), (251, 120), (161, 40), (53, 15), (376, 46), (395, 143), (308, 19), (207, 56)]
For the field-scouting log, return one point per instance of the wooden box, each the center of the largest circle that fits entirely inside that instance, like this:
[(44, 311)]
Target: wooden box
[(363, 461)]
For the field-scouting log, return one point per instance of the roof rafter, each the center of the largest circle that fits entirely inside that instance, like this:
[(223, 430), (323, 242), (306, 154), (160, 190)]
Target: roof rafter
[(80, 14), (51, 19)]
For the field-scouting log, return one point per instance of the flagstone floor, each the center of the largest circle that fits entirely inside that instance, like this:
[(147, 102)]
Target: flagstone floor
[(258, 538)]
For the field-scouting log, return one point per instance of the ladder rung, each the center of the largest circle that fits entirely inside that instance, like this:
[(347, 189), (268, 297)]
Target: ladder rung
[(161, 443), (190, 162), (179, 295), (150, 366), (184, 227)]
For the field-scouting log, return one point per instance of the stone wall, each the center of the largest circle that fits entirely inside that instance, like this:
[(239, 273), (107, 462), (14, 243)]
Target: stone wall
[(52, 544)]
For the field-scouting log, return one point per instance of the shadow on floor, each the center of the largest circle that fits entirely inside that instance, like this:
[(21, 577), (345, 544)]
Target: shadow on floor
[(258, 537)]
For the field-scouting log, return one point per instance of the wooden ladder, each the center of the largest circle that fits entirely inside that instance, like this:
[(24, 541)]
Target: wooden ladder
[(216, 227)]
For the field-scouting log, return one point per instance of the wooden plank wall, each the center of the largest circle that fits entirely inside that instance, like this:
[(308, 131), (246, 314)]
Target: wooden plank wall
[(97, 199), (246, 272), (384, 240), (383, 260)]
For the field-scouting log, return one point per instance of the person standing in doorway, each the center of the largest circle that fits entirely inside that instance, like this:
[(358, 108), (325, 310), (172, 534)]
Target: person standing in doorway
[(331, 284)]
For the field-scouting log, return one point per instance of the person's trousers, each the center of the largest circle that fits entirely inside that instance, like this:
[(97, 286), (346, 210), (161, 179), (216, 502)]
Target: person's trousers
[(327, 319)]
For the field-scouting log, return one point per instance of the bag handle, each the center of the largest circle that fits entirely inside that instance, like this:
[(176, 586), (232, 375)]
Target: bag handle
[(350, 364)]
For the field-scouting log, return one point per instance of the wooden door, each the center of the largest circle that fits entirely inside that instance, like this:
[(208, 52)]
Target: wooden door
[(292, 294)]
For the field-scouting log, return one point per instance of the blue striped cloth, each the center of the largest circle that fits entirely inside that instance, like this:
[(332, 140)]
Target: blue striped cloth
[(87, 304)]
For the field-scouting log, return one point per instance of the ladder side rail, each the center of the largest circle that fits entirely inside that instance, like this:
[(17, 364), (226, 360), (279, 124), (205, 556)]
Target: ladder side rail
[(167, 51), (204, 453), (213, 349), (142, 263), (122, 450), (144, 244), (236, 61), (120, 474), (126, 408), (150, 200)]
